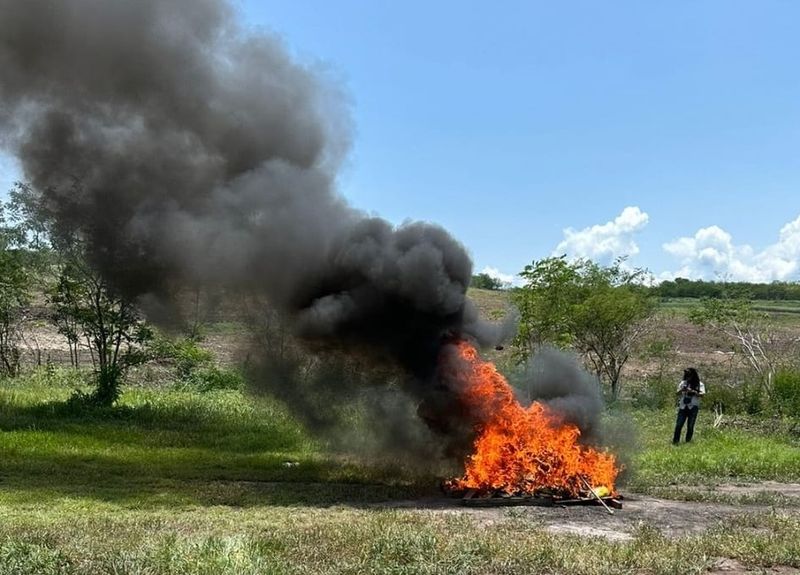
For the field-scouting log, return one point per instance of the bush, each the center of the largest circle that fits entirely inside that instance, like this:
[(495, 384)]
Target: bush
[(785, 396), (655, 393), (214, 378), (186, 356), (743, 397), (49, 375), (752, 398), (194, 366), (729, 397)]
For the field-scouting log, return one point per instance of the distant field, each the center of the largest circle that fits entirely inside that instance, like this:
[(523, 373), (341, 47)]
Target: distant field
[(771, 306), (493, 303), (786, 310)]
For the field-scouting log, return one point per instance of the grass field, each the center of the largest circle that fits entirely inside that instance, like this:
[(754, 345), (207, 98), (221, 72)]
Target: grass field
[(185, 482), (783, 312), (493, 302)]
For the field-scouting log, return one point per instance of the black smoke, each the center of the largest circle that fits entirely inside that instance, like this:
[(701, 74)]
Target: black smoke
[(185, 150), (183, 146), (556, 379)]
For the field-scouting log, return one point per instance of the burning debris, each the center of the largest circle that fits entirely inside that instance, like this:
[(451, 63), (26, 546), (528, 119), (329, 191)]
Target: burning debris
[(522, 452), (472, 498)]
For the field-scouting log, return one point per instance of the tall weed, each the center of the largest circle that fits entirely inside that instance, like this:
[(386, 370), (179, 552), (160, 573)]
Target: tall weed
[(785, 393)]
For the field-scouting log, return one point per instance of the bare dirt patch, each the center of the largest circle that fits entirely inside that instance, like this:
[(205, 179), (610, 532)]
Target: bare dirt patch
[(670, 517)]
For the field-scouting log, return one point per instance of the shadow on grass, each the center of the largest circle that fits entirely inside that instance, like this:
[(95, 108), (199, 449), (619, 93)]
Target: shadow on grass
[(173, 494), (56, 478), (173, 456), (146, 425)]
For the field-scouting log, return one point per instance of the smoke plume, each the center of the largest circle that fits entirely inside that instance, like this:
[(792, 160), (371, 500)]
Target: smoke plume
[(556, 379), (187, 150)]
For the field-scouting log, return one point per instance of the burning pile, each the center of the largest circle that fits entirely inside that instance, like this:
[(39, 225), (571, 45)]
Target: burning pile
[(524, 451)]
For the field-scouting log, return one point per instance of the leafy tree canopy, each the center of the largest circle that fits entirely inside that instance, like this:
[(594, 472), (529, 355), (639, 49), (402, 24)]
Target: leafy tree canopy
[(598, 311), (15, 280), (87, 308)]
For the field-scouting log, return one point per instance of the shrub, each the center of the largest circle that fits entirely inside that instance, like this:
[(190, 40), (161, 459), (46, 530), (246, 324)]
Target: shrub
[(655, 393), (728, 397), (49, 375), (214, 378), (745, 397), (785, 396), (194, 366), (186, 356), (752, 398)]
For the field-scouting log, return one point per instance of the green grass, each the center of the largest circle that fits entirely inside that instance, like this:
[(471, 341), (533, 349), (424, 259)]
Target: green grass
[(225, 541), (491, 303), (197, 483), (163, 445), (784, 312), (737, 450)]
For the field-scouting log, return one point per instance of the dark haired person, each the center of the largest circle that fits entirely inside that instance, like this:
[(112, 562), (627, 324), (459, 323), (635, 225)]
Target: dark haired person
[(690, 390)]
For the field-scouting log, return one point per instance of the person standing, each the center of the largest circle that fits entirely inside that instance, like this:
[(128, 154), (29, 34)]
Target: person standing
[(690, 390)]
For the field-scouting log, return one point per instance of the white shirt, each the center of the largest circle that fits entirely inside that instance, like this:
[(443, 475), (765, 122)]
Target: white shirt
[(695, 399)]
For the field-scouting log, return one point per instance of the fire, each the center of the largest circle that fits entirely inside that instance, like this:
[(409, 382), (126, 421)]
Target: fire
[(522, 450)]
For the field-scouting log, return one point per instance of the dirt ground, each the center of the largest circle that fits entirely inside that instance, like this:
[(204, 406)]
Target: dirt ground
[(671, 517)]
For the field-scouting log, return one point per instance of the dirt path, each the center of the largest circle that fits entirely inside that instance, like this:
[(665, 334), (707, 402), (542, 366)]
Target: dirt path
[(671, 517)]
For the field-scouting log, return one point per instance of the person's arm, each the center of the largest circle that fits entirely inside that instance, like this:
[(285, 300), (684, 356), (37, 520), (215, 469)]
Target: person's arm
[(702, 390), (681, 387)]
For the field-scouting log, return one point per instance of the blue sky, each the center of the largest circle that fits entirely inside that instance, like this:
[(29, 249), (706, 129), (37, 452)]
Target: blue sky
[(669, 132)]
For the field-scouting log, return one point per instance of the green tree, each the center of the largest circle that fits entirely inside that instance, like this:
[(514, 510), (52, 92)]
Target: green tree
[(485, 281), (600, 312), (15, 281), (87, 309), (608, 323), (544, 304)]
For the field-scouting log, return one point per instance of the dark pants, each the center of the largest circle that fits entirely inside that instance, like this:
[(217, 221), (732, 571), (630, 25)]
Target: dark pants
[(684, 415)]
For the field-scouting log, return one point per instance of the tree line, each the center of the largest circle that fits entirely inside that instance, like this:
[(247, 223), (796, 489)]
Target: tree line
[(685, 288)]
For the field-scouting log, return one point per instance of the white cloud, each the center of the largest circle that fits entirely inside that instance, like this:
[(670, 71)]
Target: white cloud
[(603, 243), (712, 254)]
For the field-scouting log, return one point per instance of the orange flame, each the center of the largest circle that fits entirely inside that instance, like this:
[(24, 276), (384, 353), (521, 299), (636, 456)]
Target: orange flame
[(519, 450)]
